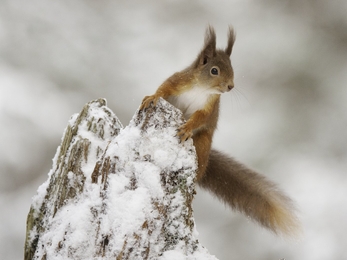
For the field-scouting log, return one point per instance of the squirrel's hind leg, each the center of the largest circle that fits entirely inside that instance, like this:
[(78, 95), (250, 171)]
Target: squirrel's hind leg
[(202, 142)]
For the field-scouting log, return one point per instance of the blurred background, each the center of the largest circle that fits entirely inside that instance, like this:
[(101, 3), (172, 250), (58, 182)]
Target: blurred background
[(286, 118)]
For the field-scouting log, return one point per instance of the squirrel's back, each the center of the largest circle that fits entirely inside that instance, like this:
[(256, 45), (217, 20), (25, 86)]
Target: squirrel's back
[(196, 92)]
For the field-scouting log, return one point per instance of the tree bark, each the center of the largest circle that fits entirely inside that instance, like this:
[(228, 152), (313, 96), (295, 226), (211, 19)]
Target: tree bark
[(117, 193)]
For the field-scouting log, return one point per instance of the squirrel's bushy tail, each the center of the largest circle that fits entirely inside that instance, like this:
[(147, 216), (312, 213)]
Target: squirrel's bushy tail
[(251, 193)]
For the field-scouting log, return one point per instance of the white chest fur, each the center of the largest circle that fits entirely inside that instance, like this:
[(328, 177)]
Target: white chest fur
[(192, 100)]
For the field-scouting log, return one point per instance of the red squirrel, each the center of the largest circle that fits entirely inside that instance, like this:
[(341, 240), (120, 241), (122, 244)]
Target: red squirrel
[(196, 92)]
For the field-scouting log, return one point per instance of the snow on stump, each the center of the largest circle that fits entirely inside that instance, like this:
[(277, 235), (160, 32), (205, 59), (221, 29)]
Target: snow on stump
[(117, 193)]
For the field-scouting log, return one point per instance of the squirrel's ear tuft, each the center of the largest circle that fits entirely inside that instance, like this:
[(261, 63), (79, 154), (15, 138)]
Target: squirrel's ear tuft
[(231, 40), (209, 50)]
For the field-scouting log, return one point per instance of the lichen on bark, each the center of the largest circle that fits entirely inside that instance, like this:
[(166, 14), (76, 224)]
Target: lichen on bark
[(117, 193)]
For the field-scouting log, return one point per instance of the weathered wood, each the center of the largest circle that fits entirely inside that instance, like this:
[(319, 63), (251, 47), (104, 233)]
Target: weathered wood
[(75, 150), (117, 194)]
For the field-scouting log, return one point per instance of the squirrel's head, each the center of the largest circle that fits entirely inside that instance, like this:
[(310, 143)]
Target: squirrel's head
[(213, 67)]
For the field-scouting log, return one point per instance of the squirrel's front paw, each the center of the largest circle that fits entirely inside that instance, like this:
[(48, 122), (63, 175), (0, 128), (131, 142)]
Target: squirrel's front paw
[(184, 132), (148, 100)]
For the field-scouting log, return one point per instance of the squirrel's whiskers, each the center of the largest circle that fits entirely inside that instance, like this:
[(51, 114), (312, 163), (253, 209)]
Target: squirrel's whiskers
[(196, 92)]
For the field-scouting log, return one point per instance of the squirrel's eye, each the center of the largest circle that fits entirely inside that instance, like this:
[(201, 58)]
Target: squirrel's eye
[(214, 71)]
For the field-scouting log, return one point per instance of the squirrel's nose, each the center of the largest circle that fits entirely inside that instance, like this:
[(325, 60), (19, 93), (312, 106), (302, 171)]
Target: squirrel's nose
[(230, 87)]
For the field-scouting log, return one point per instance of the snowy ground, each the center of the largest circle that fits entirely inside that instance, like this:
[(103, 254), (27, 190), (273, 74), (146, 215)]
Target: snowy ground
[(286, 117)]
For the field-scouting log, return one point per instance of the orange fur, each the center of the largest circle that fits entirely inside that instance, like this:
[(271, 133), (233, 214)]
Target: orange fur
[(199, 79), (196, 91)]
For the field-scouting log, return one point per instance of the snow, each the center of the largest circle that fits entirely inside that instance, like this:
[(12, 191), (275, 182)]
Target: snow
[(174, 255), (143, 156), (288, 105)]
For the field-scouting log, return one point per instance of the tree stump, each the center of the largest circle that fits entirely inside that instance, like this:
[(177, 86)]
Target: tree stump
[(117, 193)]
